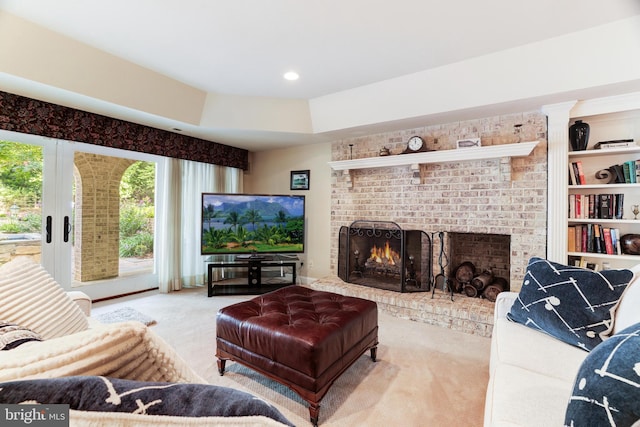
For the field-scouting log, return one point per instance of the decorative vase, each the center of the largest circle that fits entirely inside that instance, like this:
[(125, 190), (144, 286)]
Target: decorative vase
[(630, 244), (579, 135)]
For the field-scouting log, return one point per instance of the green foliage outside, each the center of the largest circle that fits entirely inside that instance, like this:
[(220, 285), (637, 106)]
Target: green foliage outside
[(137, 191), (21, 186)]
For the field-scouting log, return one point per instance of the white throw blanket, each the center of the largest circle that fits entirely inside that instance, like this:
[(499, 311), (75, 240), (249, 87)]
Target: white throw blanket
[(128, 350)]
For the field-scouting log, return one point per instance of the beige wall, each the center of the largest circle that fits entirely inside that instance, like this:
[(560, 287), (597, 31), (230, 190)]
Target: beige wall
[(269, 173), (52, 59)]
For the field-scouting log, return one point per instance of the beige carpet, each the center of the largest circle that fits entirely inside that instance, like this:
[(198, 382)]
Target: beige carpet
[(425, 375)]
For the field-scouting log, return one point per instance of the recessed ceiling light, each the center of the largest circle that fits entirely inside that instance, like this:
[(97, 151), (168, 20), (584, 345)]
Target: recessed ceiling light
[(291, 75)]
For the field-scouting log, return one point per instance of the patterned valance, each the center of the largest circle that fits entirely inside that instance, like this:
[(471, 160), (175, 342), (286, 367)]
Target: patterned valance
[(26, 115)]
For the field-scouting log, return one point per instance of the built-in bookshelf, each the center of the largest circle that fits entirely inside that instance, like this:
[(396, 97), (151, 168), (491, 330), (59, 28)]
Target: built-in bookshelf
[(603, 187)]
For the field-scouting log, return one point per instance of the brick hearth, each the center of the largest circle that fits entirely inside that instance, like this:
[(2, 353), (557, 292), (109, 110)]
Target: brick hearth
[(470, 315)]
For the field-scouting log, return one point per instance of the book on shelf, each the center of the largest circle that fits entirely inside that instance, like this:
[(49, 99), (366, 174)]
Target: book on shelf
[(615, 241), (579, 213), (598, 246), (579, 232), (632, 171), (608, 243), (572, 205), (591, 211), (572, 176), (627, 173), (618, 143), (619, 201), (604, 205), (578, 173), (571, 238)]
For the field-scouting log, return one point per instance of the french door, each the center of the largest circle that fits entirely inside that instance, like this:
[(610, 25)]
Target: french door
[(62, 229)]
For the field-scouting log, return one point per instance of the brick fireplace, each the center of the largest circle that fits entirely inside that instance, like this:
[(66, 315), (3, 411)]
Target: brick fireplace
[(501, 196), (502, 199)]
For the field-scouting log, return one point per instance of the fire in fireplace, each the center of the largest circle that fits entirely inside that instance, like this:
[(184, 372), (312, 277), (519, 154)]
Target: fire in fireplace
[(382, 255)]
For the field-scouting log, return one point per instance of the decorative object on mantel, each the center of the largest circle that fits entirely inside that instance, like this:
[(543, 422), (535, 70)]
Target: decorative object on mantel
[(579, 135), (415, 144), (636, 210), (507, 151), (468, 143), (384, 151)]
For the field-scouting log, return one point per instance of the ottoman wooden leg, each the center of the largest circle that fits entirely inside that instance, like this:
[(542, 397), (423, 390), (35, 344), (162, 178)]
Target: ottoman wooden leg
[(314, 413), (221, 364), (374, 352)]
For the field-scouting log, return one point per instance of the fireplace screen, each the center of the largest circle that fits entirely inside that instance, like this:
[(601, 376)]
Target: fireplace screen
[(382, 255)]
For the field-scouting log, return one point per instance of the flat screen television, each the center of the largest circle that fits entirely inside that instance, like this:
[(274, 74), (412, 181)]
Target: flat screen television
[(252, 224)]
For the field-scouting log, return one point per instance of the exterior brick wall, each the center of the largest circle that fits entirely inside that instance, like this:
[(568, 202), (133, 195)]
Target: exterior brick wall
[(97, 223), (494, 196)]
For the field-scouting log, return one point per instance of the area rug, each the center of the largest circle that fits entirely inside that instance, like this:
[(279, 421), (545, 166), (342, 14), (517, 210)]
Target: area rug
[(125, 314)]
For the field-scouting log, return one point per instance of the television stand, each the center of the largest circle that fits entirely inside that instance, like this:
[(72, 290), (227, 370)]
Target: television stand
[(264, 273)]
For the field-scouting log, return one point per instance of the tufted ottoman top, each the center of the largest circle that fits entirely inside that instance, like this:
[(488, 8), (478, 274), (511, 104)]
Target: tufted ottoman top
[(303, 329)]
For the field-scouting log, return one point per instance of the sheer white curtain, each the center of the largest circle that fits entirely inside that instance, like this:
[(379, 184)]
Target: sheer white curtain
[(179, 260)]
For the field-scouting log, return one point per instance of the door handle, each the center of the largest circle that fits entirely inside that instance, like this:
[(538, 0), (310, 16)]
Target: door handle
[(48, 229), (67, 229)]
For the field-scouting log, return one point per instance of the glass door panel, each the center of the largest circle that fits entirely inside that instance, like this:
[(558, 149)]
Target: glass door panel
[(21, 174), (85, 223)]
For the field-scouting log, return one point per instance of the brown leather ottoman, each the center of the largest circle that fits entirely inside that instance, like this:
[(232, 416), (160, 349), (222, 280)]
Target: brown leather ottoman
[(300, 337)]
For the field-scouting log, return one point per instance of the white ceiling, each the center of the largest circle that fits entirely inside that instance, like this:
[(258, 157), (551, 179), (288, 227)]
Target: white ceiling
[(243, 47)]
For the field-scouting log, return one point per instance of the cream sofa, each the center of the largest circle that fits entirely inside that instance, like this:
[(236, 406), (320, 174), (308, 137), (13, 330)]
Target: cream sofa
[(74, 345), (532, 374)]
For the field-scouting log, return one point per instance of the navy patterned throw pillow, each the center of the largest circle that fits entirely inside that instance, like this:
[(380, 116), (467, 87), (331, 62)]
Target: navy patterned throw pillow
[(103, 394), (606, 389), (569, 303)]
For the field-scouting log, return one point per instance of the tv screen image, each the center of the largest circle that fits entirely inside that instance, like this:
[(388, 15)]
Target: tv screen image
[(252, 223)]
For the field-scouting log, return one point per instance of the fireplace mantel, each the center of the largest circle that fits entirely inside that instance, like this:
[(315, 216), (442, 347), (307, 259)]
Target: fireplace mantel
[(520, 149), (490, 152)]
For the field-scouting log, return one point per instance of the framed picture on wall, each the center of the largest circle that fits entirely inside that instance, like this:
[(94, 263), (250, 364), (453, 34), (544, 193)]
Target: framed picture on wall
[(300, 180)]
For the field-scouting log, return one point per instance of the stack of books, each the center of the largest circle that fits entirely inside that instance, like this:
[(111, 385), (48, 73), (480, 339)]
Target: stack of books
[(596, 206), (594, 238)]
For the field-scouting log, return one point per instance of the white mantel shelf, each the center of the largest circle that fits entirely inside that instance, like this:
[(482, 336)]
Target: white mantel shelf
[(520, 149)]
